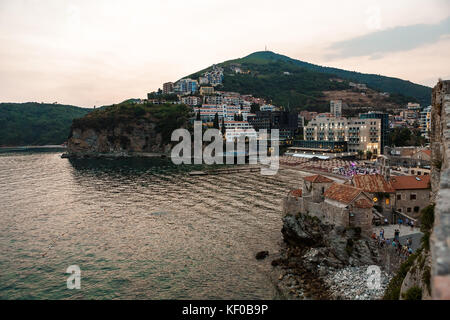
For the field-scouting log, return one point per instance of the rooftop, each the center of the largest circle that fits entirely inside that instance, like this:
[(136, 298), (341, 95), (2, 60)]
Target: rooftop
[(411, 182), (363, 203), (297, 193), (342, 193), (317, 179), (372, 183)]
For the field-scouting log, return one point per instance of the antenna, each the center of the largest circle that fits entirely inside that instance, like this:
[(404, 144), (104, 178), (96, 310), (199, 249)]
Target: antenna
[(265, 48)]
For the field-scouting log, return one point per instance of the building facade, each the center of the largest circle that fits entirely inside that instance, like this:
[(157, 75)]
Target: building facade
[(168, 87), (336, 108), (360, 134), (384, 121), (333, 203)]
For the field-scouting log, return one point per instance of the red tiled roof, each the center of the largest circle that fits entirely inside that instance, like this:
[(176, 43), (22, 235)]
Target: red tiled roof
[(411, 182), (372, 183), (317, 179), (426, 151), (342, 193), (297, 193), (363, 203)]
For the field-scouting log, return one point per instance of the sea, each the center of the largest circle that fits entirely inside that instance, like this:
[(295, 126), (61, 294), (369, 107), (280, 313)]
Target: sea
[(137, 228)]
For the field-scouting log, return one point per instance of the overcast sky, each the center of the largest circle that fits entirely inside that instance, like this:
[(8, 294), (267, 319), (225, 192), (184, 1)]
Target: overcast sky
[(97, 52)]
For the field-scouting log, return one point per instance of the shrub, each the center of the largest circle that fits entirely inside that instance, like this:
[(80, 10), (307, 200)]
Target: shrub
[(393, 290), (413, 293), (427, 218), (427, 278)]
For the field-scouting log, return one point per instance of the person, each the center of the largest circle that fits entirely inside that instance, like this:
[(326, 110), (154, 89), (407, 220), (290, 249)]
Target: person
[(409, 242), (374, 236), (412, 225), (397, 235), (386, 221), (382, 233), (410, 250)]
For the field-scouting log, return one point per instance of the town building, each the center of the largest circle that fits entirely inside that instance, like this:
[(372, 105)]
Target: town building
[(268, 107), (333, 203), (425, 122), (406, 157), (308, 116), (191, 100), (413, 106), (384, 121), (412, 194), (168, 87), (186, 86), (378, 188), (396, 196), (206, 91), (236, 129), (360, 134), (336, 108), (285, 122)]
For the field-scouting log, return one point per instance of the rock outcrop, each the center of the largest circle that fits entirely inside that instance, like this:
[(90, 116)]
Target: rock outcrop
[(328, 245), (122, 140), (126, 130), (314, 252)]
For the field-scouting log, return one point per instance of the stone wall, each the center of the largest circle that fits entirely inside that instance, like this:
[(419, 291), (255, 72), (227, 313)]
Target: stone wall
[(440, 184), (329, 212), (415, 205)]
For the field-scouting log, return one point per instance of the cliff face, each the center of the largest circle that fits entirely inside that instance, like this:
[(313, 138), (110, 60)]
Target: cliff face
[(440, 184), (126, 130), (123, 139), (323, 261)]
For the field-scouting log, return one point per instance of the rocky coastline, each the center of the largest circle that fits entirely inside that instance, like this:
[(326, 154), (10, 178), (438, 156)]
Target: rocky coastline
[(321, 261)]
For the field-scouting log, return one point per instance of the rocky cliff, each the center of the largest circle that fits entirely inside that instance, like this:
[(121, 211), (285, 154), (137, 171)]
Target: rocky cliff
[(126, 130), (440, 184), (327, 262), (426, 275)]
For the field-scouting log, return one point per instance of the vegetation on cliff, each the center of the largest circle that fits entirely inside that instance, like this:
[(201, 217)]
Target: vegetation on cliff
[(35, 123), (300, 85), (414, 261), (167, 117)]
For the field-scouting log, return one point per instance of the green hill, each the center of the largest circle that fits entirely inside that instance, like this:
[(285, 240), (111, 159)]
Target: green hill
[(36, 124), (303, 87)]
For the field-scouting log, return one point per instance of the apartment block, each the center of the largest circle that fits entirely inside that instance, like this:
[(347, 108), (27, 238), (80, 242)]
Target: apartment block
[(360, 134)]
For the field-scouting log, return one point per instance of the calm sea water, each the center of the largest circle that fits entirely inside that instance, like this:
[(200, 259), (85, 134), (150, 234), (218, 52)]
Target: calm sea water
[(138, 229)]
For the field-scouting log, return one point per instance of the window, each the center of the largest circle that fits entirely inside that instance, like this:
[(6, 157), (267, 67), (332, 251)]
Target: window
[(408, 210), (399, 197), (323, 190), (399, 209), (416, 209), (413, 197)]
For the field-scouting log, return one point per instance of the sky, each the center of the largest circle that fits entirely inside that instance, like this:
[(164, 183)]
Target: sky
[(98, 52)]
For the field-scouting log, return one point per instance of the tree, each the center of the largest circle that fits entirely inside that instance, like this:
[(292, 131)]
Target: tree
[(198, 116), (360, 154), (254, 107), (216, 121), (369, 154)]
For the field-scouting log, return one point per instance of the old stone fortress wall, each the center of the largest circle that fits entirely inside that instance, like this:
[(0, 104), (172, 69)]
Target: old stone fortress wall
[(440, 184)]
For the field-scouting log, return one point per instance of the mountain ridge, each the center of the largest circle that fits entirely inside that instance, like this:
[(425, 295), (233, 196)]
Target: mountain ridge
[(398, 88)]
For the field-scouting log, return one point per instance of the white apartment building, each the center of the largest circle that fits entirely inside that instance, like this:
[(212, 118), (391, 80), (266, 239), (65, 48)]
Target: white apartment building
[(336, 108), (360, 134), (425, 122), (235, 129)]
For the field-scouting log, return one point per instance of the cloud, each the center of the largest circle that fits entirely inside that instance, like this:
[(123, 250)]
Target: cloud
[(396, 39)]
